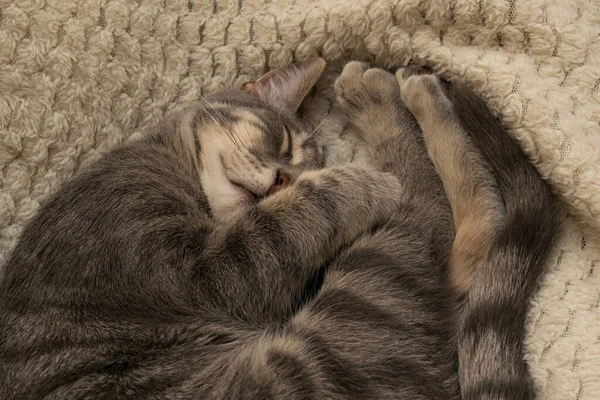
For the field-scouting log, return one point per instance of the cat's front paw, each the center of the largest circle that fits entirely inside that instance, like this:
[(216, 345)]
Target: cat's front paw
[(370, 97)]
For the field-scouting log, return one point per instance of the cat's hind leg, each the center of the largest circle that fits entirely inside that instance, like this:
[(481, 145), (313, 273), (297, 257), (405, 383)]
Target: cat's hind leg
[(506, 219), (477, 208)]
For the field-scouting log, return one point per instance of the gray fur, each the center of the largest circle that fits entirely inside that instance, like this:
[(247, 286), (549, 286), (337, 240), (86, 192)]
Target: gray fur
[(127, 285), (510, 209), (492, 324)]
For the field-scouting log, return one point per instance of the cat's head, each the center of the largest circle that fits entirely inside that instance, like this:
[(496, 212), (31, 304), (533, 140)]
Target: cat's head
[(251, 141)]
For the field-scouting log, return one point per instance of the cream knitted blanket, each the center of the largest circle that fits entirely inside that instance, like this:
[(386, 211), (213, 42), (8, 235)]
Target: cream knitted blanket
[(78, 77)]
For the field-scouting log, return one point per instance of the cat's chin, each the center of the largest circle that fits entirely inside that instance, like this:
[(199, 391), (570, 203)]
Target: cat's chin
[(243, 197), (231, 204)]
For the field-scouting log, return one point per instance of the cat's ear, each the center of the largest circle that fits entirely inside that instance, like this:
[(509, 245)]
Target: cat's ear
[(287, 86)]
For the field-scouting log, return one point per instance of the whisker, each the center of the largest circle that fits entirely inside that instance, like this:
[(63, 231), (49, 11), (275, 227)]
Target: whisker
[(320, 124), (208, 112), (233, 133), (221, 116), (228, 133)]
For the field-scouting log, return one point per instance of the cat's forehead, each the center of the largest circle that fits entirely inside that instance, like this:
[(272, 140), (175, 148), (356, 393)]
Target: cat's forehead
[(236, 104), (248, 118)]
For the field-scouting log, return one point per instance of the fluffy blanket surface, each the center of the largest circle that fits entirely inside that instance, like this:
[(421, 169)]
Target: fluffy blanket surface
[(79, 77)]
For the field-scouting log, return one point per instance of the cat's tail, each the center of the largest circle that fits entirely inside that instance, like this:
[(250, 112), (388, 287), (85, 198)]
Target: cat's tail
[(491, 333)]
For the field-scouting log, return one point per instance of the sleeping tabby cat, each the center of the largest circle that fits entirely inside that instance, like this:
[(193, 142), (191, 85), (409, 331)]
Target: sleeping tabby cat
[(190, 263)]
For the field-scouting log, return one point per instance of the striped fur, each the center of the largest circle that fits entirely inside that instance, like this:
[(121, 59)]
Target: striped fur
[(492, 327), (131, 282), (136, 280), (510, 218)]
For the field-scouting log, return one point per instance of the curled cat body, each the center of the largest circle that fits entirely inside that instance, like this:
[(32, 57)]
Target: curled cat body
[(189, 264)]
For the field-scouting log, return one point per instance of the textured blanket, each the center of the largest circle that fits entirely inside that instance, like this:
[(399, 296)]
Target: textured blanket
[(79, 77)]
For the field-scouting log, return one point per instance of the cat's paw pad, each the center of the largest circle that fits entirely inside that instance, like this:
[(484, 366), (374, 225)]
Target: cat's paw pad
[(370, 98), (421, 91)]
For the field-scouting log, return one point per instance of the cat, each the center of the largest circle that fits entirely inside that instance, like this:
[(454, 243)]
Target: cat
[(190, 263)]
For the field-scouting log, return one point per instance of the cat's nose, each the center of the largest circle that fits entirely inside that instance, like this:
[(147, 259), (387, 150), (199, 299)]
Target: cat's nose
[(282, 180)]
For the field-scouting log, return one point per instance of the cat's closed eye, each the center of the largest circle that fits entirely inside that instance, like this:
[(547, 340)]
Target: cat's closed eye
[(286, 145)]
